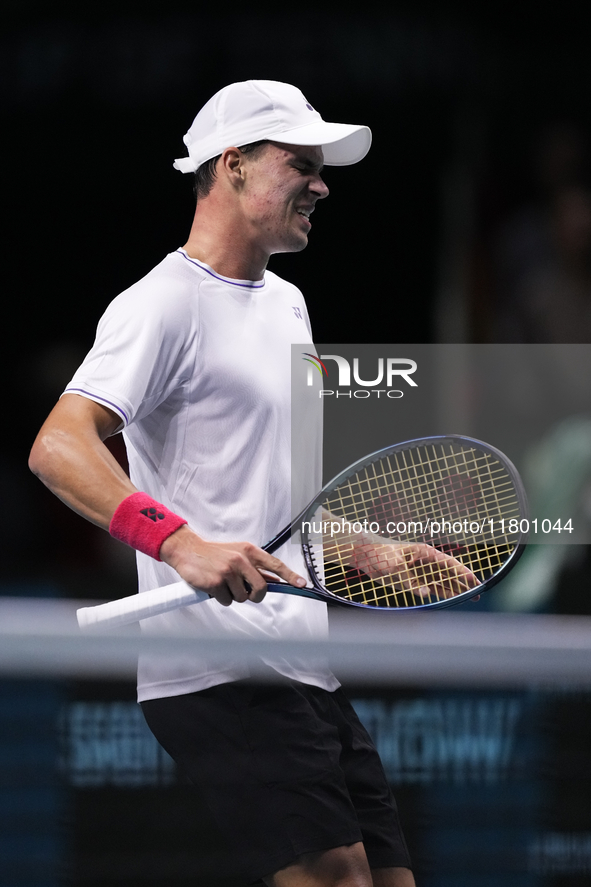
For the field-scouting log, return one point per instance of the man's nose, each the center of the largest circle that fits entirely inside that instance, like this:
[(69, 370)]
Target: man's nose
[(319, 187)]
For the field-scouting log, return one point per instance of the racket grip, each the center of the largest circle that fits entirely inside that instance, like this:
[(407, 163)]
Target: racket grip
[(140, 606)]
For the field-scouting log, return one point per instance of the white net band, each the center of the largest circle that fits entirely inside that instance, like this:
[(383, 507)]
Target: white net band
[(41, 638)]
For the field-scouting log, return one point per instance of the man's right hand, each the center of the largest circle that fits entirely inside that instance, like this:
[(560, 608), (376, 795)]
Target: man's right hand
[(228, 571)]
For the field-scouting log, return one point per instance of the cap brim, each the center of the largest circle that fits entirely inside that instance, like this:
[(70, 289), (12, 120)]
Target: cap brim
[(342, 143)]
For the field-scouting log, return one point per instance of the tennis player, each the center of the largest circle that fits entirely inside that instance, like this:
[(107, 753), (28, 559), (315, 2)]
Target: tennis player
[(193, 362)]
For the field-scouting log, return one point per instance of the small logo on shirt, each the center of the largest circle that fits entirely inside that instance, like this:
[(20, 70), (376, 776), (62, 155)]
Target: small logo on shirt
[(297, 311)]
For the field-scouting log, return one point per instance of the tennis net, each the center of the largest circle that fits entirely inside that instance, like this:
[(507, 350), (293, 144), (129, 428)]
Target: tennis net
[(482, 721)]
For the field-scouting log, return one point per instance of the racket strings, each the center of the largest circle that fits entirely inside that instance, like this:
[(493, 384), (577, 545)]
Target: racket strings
[(376, 530)]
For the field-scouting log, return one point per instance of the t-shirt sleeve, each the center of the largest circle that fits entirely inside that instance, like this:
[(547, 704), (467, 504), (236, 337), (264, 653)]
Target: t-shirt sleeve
[(143, 351)]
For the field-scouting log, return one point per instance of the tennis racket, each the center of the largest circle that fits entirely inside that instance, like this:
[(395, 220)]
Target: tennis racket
[(420, 525)]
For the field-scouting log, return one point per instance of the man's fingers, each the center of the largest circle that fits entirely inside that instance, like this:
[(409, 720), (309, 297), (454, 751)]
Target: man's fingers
[(245, 581), (273, 565), (241, 590), (254, 562), (222, 595), (247, 571)]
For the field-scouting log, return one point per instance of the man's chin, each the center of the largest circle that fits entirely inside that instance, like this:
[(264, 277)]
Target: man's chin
[(294, 246)]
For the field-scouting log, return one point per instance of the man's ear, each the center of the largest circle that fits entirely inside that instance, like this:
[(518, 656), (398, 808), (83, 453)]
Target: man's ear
[(231, 164)]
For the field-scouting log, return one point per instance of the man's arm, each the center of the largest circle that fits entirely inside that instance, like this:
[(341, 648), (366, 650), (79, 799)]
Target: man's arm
[(70, 457)]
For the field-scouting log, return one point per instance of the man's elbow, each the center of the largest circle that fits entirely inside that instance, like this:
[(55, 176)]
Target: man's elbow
[(37, 456), (44, 458)]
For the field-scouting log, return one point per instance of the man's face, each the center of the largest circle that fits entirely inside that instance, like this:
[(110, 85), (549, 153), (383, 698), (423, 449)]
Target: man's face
[(282, 186)]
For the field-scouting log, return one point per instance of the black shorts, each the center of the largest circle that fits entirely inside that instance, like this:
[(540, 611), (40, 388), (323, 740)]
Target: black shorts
[(285, 768)]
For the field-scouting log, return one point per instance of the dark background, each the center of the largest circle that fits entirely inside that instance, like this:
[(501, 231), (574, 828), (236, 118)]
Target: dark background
[(95, 101)]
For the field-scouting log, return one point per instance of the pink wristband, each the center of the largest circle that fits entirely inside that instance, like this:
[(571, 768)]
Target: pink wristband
[(144, 524)]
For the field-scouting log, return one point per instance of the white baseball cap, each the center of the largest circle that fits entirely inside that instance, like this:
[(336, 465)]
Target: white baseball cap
[(254, 110)]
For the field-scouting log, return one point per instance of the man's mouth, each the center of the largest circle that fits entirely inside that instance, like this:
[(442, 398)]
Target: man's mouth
[(303, 211)]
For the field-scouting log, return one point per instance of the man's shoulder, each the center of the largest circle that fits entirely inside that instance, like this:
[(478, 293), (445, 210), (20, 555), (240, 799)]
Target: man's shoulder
[(166, 286), (169, 275), (275, 282)]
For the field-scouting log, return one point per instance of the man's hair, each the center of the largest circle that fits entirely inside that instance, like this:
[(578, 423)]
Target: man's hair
[(206, 174)]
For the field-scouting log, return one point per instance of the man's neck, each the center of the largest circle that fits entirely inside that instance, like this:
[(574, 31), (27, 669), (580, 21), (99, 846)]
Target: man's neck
[(223, 244)]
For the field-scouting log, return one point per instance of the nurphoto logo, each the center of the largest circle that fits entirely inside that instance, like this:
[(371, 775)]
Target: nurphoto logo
[(389, 371)]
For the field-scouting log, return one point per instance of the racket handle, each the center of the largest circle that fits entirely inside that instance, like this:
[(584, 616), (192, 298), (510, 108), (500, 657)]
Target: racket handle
[(140, 606)]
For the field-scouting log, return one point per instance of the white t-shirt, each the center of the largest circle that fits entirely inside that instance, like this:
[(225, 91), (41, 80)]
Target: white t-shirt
[(199, 369)]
